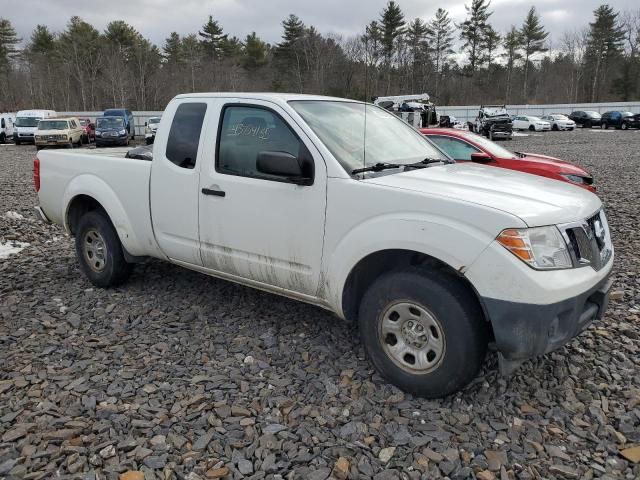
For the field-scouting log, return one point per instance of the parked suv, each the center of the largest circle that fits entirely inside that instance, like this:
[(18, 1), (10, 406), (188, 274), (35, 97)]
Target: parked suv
[(586, 119), (57, 132), (111, 131), (617, 119), (125, 113)]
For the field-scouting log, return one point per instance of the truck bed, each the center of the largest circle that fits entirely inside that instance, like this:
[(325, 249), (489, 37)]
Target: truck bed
[(120, 185)]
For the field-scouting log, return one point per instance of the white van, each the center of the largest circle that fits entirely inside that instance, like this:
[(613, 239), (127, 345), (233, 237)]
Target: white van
[(27, 123), (6, 126)]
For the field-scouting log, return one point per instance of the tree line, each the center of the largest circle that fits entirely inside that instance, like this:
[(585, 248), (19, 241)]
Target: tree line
[(471, 62)]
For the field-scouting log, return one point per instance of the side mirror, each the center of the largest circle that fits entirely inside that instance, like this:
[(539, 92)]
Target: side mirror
[(481, 157), (283, 164)]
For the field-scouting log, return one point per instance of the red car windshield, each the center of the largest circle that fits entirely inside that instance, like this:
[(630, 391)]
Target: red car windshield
[(488, 146)]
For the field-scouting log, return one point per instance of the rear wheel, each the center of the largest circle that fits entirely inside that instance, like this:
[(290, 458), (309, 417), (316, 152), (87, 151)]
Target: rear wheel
[(587, 124), (423, 331), (604, 126), (555, 127), (3, 138), (624, 126), (100, 252)]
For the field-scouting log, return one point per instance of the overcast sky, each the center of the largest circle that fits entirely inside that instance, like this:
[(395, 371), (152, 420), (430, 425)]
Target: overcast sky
[(155, 19)]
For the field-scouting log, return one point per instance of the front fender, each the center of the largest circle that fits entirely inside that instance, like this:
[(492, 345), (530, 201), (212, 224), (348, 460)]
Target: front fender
[(455, 243), (101, 192)]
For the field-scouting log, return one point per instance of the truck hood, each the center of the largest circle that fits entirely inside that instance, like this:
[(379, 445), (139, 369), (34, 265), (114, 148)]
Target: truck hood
[(536, 200)]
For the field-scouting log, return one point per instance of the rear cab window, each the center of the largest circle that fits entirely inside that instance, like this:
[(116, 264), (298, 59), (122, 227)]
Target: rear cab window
[(184, 135)]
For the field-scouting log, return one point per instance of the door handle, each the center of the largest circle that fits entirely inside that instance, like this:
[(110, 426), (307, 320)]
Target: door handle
[(217, 193)]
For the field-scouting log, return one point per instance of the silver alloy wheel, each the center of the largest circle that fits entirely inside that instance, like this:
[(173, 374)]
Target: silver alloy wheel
[(95, 250), (412, 337)]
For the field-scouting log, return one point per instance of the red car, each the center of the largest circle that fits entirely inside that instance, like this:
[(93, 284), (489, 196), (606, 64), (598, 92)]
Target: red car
[(89, 130), (462, 146)]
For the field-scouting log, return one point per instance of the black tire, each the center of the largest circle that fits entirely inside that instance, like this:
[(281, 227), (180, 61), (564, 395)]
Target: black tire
[(624, 126), (587, 125), (555, 127), (148, 141), (532, 128), (112, 269), (604, 126), (39, 147), (18, 142), (3, 138), (458, 315)]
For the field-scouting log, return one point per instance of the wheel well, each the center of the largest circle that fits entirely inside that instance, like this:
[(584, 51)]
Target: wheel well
[(372, 266), (78, 207)]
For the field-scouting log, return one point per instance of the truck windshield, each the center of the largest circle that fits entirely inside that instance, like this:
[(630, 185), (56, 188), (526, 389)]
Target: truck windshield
[(386, 138), (27, 121), (52, 125), (109, 122)]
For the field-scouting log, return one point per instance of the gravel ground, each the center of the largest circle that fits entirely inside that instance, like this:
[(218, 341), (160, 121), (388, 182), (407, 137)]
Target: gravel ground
[(178, 375)]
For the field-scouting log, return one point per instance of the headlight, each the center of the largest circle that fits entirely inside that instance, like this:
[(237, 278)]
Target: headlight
[(122, 132), (98, 133), (542, 248), (575, 178)]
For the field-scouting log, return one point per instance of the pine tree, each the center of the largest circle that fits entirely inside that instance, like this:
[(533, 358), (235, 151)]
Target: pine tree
[(293, 31), (391, 26), (191, 53), (213, 40), (254, 52), (490, 44), (473, 30), (42, 41), (231, 47), (604, 44), (533, 36), (8, 42), (440, 38), (511, 43), (171, 48)]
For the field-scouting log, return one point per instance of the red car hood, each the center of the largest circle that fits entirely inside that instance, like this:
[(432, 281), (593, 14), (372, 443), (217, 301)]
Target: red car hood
[(552, 164)]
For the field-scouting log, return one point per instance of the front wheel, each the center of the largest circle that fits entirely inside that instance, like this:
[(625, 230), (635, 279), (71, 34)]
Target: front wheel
[(604, 126), (587, 125), (423, 331), (624, 126), (532, 128), (100, 252)]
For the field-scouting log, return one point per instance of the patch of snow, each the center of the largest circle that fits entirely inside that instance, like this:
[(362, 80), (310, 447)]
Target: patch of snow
[(13, 216), (11, 248)]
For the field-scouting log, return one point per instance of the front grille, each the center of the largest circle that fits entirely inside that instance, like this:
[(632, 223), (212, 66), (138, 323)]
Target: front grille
[(589, 241)]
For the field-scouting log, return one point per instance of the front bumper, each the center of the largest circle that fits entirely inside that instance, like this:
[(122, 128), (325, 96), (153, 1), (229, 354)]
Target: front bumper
[(24, 137), (52, 143), (112, 140), (523, 331), (501, 133)]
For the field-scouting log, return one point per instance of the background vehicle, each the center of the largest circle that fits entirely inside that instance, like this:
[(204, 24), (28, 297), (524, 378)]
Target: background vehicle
[(617, 119), (466, 146), (6, 127), (525, 122), (493, 121), (27, 123), (559, 121), (417, 110), (586, 119), (127, 115), (432, 257), (89, 130), (56, 132), (150, 129), (111, 131)]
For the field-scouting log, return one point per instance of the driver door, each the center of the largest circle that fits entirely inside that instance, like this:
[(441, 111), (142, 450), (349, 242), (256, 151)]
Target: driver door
[(260, 228)]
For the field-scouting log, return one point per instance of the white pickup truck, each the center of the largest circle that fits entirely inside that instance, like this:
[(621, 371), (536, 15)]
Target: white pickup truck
[(343, 205)]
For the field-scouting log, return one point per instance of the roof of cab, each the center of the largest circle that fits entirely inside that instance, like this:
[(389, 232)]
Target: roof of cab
[(281, 97)]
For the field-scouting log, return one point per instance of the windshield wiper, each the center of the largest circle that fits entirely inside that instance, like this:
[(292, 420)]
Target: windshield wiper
[(425, 162), (378, 167)]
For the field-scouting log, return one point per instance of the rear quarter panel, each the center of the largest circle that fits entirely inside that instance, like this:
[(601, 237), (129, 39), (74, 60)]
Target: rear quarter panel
[(120, 185)]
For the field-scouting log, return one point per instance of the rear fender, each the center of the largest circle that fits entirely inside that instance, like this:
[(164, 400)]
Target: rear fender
[(99, 190)]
